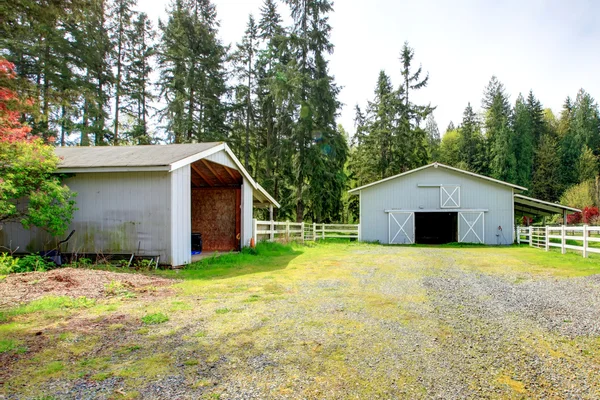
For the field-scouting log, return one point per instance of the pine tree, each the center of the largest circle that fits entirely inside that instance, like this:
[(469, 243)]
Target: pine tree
[(121, 14), (546, 183), (570, 146), (321, 151), (244, 60), (138, 83), (411, 139), (471, 144), (450, 127), (499, 135), (433, 137), (191, 61), (524, 141)]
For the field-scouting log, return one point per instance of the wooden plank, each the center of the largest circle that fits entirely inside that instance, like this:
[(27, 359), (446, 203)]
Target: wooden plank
[(211, 169), (226, 168), (197, 170)]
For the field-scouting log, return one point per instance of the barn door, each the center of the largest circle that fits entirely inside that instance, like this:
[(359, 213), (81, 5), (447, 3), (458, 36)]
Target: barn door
[(401, 228), (471, 227)]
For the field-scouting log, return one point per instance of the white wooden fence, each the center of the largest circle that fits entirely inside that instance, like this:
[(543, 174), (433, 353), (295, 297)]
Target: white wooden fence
[(585, 239), (284, 231)]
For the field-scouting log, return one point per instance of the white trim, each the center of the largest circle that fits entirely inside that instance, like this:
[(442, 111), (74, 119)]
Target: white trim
[(434, 185), (471, 226), (401, 227), (456, 202), (514, 225), (436, 165), (438, 210), (360, 216), (545, 203), (198, 156), (84, 170)]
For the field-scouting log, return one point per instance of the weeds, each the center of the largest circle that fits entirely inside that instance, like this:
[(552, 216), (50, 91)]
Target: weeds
[(118, 288), (155, 319)]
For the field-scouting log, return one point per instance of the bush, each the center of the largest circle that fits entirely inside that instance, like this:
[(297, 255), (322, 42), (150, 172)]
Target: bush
[(32, 263), (8, 264)]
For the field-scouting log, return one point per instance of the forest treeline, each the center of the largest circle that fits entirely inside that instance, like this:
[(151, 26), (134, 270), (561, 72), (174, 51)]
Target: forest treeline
[(101, 73)]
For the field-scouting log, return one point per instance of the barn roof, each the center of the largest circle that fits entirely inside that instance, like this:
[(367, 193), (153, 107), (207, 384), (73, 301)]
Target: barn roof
[(529, 205), (147, 158), (437, 165), (129, 156)]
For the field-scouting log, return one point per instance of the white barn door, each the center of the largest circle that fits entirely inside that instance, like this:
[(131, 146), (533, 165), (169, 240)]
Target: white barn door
[(401, 228), (471, 227)]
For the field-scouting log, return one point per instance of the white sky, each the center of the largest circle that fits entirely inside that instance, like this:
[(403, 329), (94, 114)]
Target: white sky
[(549, 46)]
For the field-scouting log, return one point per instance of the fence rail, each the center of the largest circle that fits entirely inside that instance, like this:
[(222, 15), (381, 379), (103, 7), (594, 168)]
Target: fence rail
[(585, 239), (283, 231)]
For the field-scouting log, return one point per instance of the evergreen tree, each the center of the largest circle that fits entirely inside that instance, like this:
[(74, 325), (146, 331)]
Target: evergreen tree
[(320, 150), (471, 144), (138, 83), (433, 137), (570, 146), (499, 135), (546, 177), (191, 61), (244, 60), (450, 127), (587, 165), (121, 14), (524, 140)]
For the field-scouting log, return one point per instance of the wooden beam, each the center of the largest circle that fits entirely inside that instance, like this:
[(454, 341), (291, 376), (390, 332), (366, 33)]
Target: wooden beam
[(230, 173), (207, 164), (201, 174), (195, 179)]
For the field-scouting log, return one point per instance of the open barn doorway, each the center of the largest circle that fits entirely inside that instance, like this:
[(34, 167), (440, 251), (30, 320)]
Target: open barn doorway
[(216, 206), (436, 227)]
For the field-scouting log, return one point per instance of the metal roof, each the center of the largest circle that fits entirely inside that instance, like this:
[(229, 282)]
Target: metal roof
[(530, 205), (436, 165), (128, 156)]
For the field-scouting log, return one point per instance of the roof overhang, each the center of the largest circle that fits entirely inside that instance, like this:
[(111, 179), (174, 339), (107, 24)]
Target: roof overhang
[(529, 205), (438, 165)]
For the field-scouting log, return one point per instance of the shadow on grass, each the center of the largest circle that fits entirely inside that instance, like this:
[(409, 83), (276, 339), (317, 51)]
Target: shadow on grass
[(265, 257)]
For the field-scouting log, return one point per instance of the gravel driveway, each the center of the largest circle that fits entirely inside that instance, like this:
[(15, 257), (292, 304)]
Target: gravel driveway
[(364, 321)]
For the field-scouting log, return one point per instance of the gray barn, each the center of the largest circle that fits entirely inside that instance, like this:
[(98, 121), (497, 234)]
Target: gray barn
[(441, 204), (148, 200)]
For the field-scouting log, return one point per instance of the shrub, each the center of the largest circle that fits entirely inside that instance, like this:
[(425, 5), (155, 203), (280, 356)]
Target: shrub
[(32, 263), (8, 264), (590, 214)]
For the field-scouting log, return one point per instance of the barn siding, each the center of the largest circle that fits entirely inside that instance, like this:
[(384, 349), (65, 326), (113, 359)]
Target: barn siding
[(181, 220), (222, 158), (116, 213), (403, 193)]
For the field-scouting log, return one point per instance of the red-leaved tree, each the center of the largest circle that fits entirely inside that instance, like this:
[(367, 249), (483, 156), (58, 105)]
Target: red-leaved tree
[(12, 106)]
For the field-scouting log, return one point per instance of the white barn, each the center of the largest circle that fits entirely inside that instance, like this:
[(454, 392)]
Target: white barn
[(148, 200), (438, 204)]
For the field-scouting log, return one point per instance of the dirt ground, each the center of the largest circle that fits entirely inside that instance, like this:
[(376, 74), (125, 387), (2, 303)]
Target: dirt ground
[(73, 282), (335, 321)]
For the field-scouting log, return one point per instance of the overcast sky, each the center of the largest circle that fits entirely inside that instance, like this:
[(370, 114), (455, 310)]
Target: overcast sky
[(551, 47)]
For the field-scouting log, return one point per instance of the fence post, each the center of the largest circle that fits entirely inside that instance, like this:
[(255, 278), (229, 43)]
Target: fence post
[(358, 233), (287, 230), (547, 238), (563, 239), (272, 233), (254, 230), (531, 236), (585, 241), (323, 231), (518, 229), (314, 235), (302, 229)]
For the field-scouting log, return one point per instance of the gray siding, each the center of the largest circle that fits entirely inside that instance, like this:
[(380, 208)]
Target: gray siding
[(403, 193), (117, 212), (181, 216)]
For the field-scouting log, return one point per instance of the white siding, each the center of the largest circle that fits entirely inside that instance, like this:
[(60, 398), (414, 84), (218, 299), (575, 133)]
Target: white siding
[(404, 194), (181, 217), (247, 212), (223, 158), (117, 213)]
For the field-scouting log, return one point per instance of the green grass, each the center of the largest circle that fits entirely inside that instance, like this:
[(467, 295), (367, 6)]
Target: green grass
[(265, 257), (49, 303), (155, 319)]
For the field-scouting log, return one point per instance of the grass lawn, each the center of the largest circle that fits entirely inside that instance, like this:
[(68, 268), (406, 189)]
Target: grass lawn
[(330, 320)]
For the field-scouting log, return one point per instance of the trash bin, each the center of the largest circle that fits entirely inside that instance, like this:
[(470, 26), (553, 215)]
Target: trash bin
[(197, 242)]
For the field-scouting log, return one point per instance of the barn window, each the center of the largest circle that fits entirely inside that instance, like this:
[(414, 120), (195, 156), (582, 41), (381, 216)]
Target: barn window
[(449, 196)]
